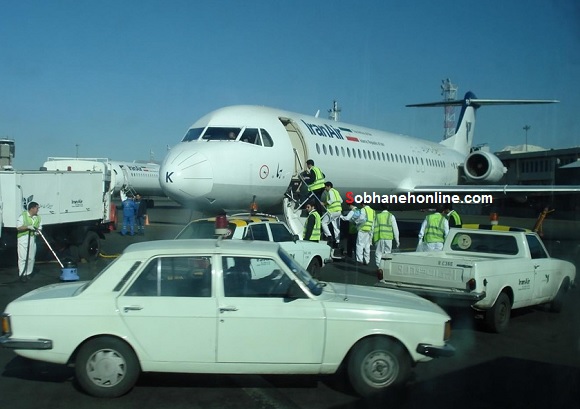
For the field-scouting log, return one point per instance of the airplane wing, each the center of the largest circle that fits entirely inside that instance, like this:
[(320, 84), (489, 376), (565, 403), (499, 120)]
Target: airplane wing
[(506, 190)]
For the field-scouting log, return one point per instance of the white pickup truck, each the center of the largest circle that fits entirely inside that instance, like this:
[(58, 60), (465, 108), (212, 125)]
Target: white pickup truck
[(494, 271)]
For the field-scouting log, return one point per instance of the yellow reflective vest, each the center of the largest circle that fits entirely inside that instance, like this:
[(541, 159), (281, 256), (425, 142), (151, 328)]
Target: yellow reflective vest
[(383, 227), (318, 181), (28, 221), (435, 231), (336, 205), (368, 225), (315, 235)]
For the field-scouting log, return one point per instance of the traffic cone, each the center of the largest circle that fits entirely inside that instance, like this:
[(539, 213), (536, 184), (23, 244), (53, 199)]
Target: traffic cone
[(146, 220)]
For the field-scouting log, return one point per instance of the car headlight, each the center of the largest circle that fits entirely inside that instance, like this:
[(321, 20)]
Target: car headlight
[(6, 327), (447, 331)]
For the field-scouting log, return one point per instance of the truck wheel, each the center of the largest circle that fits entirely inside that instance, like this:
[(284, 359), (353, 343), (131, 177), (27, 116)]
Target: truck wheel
[(558, 301), (377, 364), (106, 367), (91, 247), (314, 267), (497, 317)]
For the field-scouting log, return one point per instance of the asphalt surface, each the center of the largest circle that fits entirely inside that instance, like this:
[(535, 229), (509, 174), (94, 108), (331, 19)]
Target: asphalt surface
[(534, 364)]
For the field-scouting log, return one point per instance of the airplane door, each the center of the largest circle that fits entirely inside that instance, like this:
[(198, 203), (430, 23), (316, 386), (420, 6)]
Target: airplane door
[(298, 144)]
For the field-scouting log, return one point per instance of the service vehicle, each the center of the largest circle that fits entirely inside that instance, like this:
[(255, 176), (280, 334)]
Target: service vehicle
[(263, 227), (188, 306), (75, 208), (494, 269)]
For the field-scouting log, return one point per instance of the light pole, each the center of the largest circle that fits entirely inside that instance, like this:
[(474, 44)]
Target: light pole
[(526, 128)]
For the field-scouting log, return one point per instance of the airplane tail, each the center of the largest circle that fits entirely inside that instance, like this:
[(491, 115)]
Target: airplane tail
[(462, 140)]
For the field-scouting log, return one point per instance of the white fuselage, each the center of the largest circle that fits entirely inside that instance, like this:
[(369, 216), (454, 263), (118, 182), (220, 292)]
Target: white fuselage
[(220, 174)]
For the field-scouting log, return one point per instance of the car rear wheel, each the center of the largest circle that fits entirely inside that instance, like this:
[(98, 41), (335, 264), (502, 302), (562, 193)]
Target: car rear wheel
[(377, 364), (497, 317), (106, 367), (314, 267), (558, 301)]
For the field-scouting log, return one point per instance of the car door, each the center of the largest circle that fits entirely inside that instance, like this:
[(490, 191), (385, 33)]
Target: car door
[(282, 235), (544, 270), (170, 311), (257, 324)]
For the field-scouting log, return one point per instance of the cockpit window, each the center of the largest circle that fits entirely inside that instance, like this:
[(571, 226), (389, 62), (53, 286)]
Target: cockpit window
[(192, 135), (252, 136), (266, 138), (221, 134)]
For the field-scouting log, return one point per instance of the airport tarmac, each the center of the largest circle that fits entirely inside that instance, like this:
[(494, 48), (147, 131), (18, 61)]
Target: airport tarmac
[(534, 364)]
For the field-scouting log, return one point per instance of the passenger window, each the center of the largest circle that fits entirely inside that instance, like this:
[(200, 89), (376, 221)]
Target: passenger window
[(255, 277), (536, 248), (258, 232), (280, 233), (174, 277)]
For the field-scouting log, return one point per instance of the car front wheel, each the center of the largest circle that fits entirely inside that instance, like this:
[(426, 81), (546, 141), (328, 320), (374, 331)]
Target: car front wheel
[(106, 367), (377, 364)]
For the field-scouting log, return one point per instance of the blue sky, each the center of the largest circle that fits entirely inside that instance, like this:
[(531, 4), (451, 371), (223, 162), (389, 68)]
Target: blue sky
[(121, 79)]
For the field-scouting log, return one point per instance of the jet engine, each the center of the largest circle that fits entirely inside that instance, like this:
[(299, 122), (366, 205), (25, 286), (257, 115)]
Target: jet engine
[(483, 167)]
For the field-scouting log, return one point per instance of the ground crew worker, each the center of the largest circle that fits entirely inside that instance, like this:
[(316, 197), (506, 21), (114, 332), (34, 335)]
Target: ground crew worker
[(364, 236), (27, 225), (433, 231), (386, 229), (333, 202), (312, 226), (452, 216), (314, 178), (353, 218), (129, 211)]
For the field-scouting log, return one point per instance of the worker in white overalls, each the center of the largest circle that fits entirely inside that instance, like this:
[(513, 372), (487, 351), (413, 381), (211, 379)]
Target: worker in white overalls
[(27, 226)]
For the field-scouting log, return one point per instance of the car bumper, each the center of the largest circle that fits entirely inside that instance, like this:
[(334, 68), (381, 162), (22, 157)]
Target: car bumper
[(446, 296), (434, 351), (12, 343)]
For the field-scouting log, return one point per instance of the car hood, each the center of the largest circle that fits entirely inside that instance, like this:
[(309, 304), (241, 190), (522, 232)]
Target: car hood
[(61, 290), (377, 297)]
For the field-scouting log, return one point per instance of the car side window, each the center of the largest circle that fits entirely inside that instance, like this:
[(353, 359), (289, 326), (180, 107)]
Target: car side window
[(536, 248), (255, 278), (174, 277), (258, 231), (280, 233)]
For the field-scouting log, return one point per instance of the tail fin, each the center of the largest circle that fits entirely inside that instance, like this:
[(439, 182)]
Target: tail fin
[(462, 140)]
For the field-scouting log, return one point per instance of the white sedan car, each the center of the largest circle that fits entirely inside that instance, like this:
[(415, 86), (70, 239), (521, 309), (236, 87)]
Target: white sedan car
[(195, 306), (263, 227)]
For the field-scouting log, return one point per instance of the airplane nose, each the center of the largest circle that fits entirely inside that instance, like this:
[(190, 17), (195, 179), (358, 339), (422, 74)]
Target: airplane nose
[(185, 175)]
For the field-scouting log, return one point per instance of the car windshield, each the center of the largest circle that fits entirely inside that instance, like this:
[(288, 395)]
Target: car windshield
[(203, 229), (88, 283), (313, 285)]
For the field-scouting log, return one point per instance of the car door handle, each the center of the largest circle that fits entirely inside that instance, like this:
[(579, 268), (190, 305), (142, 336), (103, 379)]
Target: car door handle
[(228, 308), (128, 308)]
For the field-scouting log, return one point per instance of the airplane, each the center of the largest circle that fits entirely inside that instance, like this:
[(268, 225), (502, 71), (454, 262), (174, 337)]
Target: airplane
[(133, 177), (236, 155)]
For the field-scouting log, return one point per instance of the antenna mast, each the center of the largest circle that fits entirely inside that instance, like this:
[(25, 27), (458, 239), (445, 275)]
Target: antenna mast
[(334, 113), (449, 92)]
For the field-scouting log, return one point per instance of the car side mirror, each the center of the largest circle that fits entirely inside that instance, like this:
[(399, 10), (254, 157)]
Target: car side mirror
[(295, 237)]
